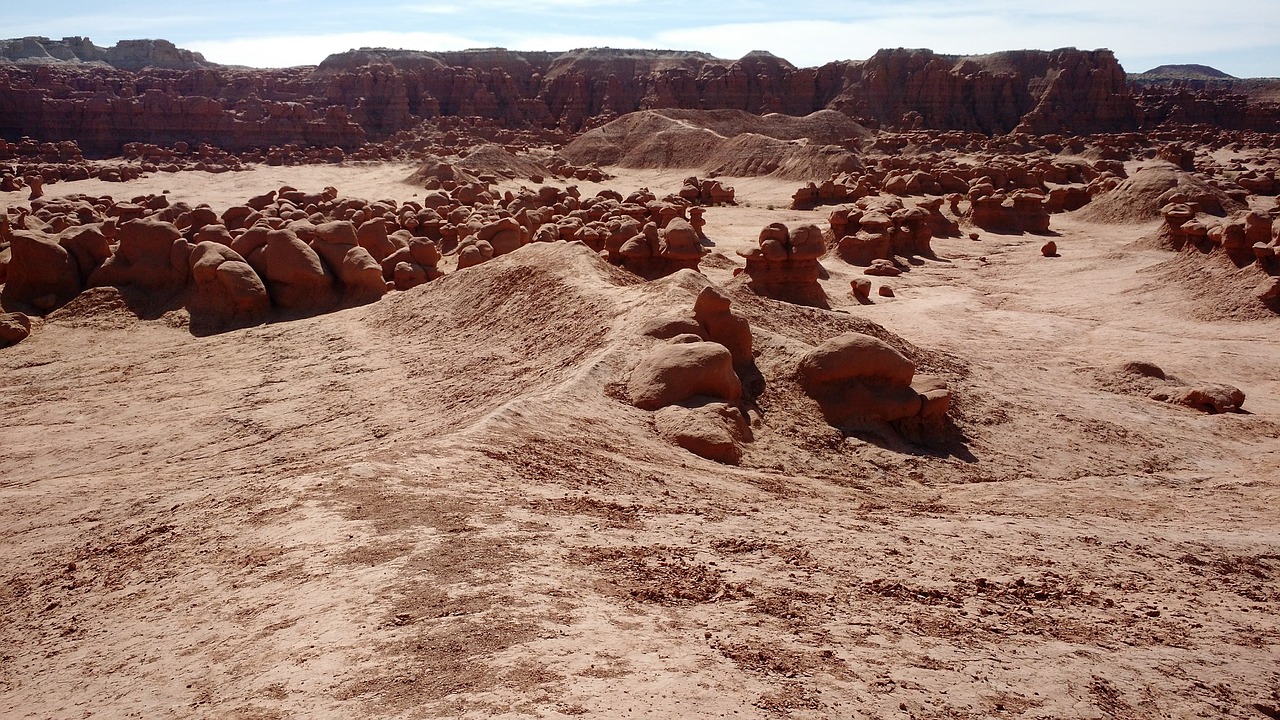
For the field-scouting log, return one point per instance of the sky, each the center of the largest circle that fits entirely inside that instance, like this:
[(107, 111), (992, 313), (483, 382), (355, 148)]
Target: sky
[(1241, 37)]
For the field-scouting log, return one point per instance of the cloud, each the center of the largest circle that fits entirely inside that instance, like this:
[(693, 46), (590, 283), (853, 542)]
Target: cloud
[(291, 50), (813, 42)]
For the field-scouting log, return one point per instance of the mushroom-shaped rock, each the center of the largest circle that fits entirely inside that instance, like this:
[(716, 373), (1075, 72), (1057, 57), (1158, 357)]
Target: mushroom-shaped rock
[(712, 430), (785, 266), (677, 371), (1176, 215), (680, 242), (807, 243), (226, 291), (41, 273), (857, 377), (152, 256)]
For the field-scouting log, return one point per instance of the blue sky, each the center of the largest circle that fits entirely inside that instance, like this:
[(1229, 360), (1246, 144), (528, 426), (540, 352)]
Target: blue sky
[(1241, 37)]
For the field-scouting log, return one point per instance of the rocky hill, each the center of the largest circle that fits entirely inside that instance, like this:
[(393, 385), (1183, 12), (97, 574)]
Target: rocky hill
[(126, 54), (151, 91)]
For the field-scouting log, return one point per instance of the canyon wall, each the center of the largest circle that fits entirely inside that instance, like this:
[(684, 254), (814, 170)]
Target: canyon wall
[(150, 91)]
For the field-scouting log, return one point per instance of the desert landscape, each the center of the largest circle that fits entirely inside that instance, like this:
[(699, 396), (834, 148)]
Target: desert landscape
[(623, 383)]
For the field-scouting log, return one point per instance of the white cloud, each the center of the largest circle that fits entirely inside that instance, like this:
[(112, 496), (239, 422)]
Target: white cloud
[(291, 50), (813, 42)]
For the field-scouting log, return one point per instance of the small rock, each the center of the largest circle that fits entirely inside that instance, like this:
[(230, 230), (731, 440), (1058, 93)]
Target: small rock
[(14, 328), (1049, 249), (861, 288), (885, 291), (882, 268), (1269, 290), (973, 236)]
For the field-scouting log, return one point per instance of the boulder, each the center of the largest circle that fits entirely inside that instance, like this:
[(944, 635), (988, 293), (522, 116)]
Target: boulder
[(152, 256), (712, 430), (360, 276), (41, 273), (295, 277), (1212, 399), (858, 378), (677, 371), (14, 328), (88, 246), (226, 291)]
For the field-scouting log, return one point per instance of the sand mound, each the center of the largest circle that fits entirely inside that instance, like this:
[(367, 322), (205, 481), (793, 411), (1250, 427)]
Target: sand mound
[(485, 159), (1137, 199), (491, 159), (1215, 288), (728, 141)]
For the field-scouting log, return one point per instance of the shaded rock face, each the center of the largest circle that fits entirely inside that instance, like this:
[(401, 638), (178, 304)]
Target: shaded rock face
[(14, 328), (858, 380), (678, 371), (150, 91), (880, 228), (41, 273), (785, 265)]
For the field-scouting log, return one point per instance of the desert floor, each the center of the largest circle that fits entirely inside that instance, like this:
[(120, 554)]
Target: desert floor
[(436, 506)]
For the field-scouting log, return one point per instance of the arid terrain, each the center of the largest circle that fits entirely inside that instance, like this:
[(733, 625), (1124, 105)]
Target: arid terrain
[(447, 500)]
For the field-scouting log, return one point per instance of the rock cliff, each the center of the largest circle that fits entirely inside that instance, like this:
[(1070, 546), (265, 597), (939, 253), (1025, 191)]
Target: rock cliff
[(150, 91)]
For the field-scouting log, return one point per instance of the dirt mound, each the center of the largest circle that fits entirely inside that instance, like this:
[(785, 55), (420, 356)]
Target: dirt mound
[(491, 159), (1138, 198), (727, 141), (437, 168), (103, 307), (1215, 288)]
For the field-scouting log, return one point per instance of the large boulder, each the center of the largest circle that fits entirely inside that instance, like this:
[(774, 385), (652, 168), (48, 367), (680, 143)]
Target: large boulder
[(712, 430), (677, 371), (151, 257), (226, 291), (88, 246), (360, 274), (295, 277), (859, 378), (41, 273)]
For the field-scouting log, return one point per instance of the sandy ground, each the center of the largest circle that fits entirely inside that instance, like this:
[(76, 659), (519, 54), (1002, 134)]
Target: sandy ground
[(434, 507)]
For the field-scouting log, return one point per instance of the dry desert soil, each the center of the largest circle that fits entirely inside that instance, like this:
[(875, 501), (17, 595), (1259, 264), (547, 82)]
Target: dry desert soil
[(437, 505)]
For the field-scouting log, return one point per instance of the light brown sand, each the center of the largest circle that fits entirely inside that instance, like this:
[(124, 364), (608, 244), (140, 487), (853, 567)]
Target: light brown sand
[(432, 506)]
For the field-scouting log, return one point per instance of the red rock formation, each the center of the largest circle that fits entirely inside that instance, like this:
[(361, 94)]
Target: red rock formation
[(154, 93)]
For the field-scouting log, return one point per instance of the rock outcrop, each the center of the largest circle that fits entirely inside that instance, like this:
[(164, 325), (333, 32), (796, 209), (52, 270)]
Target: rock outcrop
[(785, 265), (860, 380), (149, 91)]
